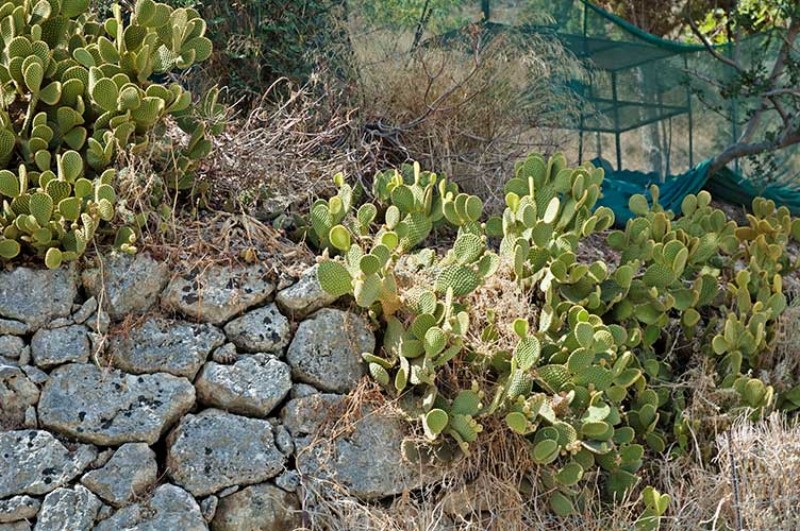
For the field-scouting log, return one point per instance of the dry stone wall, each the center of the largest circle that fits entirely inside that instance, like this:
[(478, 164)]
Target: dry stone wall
[(135, 398)]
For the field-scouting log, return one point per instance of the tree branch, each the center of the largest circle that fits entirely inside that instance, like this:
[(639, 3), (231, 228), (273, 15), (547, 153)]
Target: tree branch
[(710, 47)]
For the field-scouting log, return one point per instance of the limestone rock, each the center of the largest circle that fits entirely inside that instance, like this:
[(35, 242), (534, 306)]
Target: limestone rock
[(326, 350), (218, 293), (213, 450), (261, 330), (170, 507), (261, 507), (34, 462), (304, 297), (111, 407), (226, 354), (18, 508), (367, 461), (208, 507), (128, 474), (127, 284), (68, 510), (17, 394), (12, 327), (305, 415), (252, 386), (162, 345), (11, 346), (16, 526), (85, 310), (37, 296), (60, 345)]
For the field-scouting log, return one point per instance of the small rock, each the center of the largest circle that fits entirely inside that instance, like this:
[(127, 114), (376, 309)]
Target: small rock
[(17, 394), (304, 416), (18, 508), (162, 345), (208, 508), (169, 508), (263, 506), (68, 510), (253, 386), (11, 346), (304, 297), (218, 292), (261, 330), (366, 460), (102, 458), (126, 284), (226, 354), (326, 350), (60, 323), (229, 491), (25, 356), (30, 418), (288, 481), (130, 472), (35, 374), (213, 450), (300, 390), (12, 327), (284, 440), (35, 297), (60, 345), (99, 321), (111, 407), (85, 311), (34, 462)]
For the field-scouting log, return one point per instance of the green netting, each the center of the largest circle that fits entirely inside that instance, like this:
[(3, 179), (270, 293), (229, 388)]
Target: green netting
[(654, 111)]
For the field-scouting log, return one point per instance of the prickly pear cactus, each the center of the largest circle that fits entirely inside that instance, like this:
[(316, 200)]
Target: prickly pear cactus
[(588, 387), (76, 91)]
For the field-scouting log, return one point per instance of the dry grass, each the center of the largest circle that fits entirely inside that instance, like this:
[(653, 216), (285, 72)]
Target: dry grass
[(467, 111)]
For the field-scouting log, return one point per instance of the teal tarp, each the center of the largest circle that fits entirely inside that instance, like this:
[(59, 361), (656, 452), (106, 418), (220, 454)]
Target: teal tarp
[(619, 186)]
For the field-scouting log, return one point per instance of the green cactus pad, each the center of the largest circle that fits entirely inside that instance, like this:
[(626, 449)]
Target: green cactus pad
[(334, 278), (461, 279)]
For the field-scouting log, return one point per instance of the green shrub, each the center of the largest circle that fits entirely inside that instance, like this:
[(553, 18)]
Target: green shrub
[(591, 388), (76, 91)]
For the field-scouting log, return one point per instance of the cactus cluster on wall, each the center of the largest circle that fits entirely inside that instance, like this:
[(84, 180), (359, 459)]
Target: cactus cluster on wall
[(588, 385), (75, 92)]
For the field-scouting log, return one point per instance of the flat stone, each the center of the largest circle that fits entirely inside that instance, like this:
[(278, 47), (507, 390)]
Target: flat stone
[(214, 450), (130, 472), (252, 386), (260, 507), (218, 293), (68, 510), (17, 394), (18, 508), (261, 330), (11, 346), (304, 297), (366, 460), (170, 508), (226, 354), (326, 350), (60, 345), (111, 407), (126, 284), (163, 345), (12, 327), (288, 481), (34, 462), (85, 310), (36, 375), (55, 289)]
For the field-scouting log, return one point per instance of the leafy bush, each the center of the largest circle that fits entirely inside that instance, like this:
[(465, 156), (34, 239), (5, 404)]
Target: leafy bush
[(76, 91), (589, 383)]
